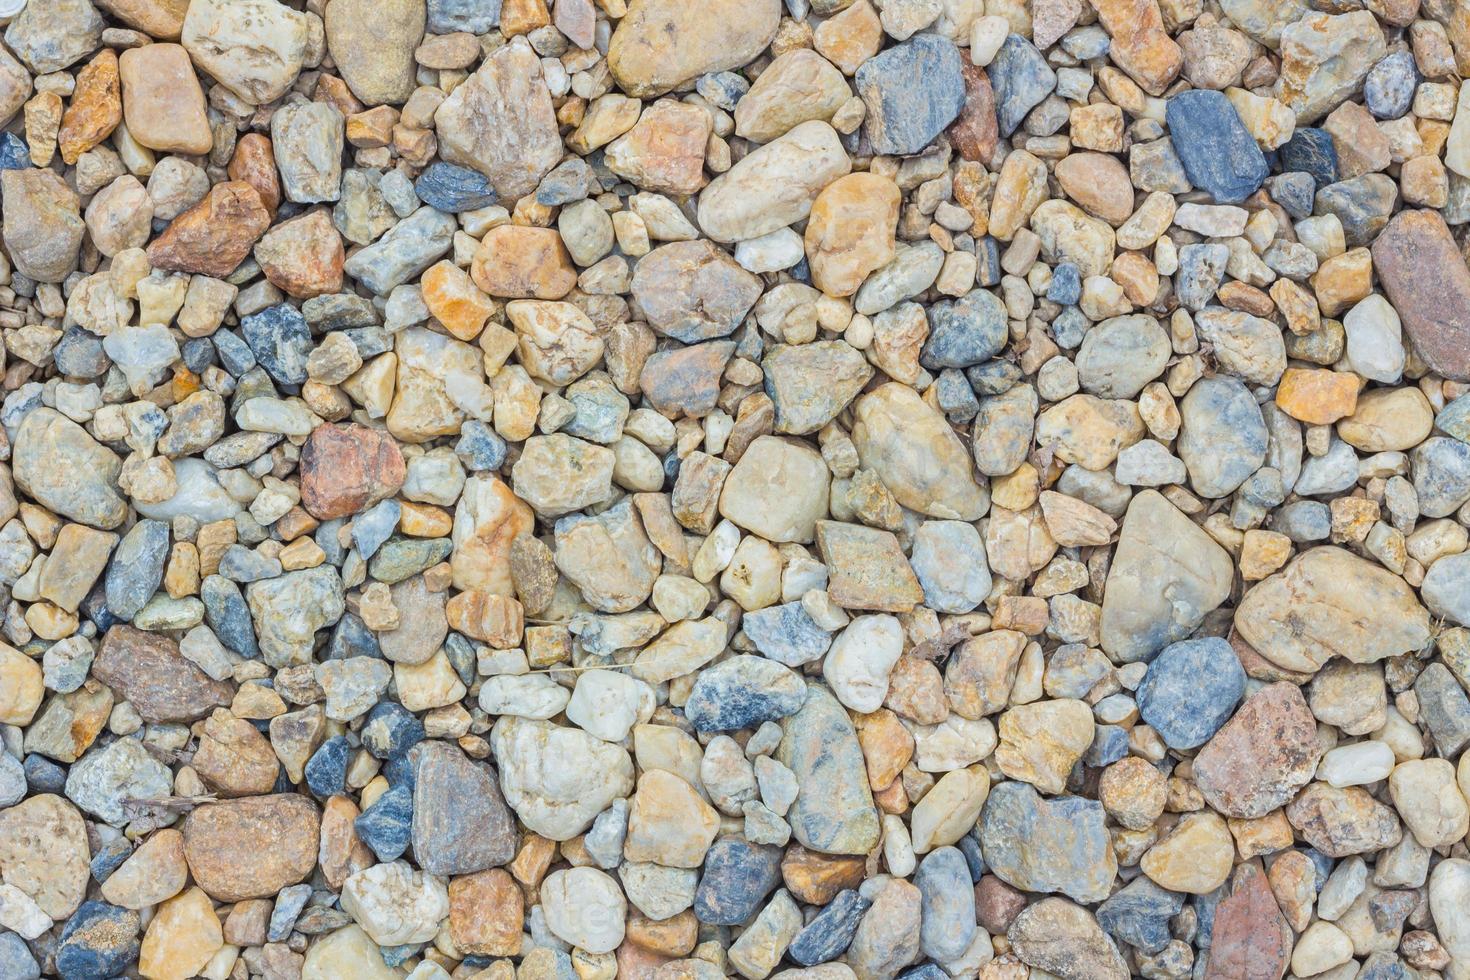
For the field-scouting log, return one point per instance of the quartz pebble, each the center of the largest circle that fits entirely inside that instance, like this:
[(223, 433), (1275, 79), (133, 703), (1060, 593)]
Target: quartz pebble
[(818, 490)]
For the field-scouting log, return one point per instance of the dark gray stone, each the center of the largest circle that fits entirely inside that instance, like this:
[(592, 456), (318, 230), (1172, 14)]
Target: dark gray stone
[(1217, 151), (460, 821), (99, 941), (386, 825), (828, 935), (453, 189), (1363, 204), (1310, 150), (737, 877), (1444, 709), (228, 615), (785, 633), (912, 90)]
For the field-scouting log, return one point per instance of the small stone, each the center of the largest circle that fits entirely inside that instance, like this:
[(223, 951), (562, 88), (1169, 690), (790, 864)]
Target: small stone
[(1189, 690)]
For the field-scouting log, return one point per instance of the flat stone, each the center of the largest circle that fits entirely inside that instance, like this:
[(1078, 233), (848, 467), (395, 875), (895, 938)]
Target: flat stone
[(662, 43), (916, 454), (460, 821), (1297, 620), (774, 185), (1217, 151), (148, 670), (500, 122), (373, 46), (1021, 79), (44, 853)]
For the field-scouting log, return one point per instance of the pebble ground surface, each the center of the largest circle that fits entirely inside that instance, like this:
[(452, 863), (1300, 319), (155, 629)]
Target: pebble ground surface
[(808, 489)]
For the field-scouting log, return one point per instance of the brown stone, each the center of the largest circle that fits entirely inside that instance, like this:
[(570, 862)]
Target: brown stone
[(341, 852), (516, 262), (867, 568), (162, 19), (1425, 277), (1099, 183), (664, 151), (693, 291), (1141, 46), (254, 163), (95, 110), (1252, 940), (1262, 756), (975, 131), (252, 847), (997, 904), (455, 301), (162, 100), (148, 671), (486, 913), (303, 256), (816, 878), (234, 758), (493, 619), (345, 468), (214, 236), (1340, 822)]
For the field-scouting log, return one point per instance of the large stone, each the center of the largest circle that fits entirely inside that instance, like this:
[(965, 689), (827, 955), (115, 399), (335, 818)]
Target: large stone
[(372, 43), (162, 101), (1041, 844), (811, 383), (43, 224), (694, 291), (214, 236), (84, 489), (1324, 59), (346, 468), (912, 91), (778, 490), (1167, 575), (251, 847), (255, 48), (1330, 603), (558, 779), (148, 670), (916, 454), (833, 812), (850, 232), (1262, 756), (1425, 276), (500, 122), (460, 821), (44, 853), (1217, 151), (1064, 939), (773, 185), (662, 43), (797, 86), (1251, 939)]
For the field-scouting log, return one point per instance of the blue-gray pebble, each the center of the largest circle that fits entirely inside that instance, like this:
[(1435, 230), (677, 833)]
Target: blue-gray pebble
[(453, 189), (1310, 150), (965, 331), (1388, 91), (1218, 153), (1190, 689), (737, 877), (1020, 79)]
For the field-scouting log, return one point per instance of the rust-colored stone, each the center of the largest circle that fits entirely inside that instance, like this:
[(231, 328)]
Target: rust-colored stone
[(1252, 940), (148, 671), (252, 847), (1262, 756), (214, 236), (1426, 278), (96, 107), (303, 257), (345, 468), (486, 913), (254, 163), (974, 132)]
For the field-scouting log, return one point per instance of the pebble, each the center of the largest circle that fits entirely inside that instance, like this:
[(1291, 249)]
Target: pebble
[(659, 466)]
